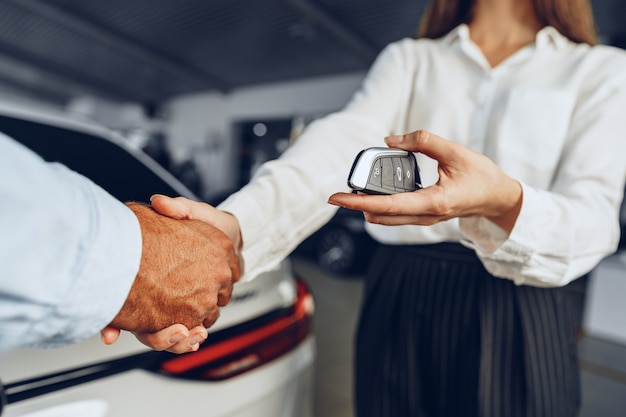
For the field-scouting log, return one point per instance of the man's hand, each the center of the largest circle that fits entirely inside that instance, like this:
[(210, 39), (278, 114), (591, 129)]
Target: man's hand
[(187, 271), (469, 185), (178, 338)]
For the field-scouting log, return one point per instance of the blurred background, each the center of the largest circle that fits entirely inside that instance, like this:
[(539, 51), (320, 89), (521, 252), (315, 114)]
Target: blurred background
[(212, 89), (190, 80)]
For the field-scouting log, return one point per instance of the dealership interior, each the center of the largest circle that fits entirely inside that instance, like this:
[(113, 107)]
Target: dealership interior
[(210, 90)]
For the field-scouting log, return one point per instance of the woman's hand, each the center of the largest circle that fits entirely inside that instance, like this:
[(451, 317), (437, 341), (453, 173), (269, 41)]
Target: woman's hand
[(469, 185), (183, 208), (175, 338)]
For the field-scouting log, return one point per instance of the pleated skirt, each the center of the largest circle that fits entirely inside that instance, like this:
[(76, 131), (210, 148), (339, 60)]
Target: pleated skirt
[(439, 336)]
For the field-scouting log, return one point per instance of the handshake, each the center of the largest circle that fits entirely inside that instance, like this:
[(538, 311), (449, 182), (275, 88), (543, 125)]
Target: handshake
[(189, 263)]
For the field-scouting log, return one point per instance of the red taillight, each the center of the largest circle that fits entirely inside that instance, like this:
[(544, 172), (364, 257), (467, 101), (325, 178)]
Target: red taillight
[(250, 349)]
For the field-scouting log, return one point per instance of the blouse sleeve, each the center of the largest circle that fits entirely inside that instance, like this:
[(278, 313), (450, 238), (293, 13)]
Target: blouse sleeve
[(287, 200)]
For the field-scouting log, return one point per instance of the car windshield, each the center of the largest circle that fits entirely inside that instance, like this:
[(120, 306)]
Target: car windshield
[(105, 162)]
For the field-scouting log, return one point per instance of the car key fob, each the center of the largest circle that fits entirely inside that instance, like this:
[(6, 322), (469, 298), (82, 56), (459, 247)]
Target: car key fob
[(384, 171)]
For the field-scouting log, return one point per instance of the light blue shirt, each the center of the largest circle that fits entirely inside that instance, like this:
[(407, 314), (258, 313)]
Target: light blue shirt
[(69, 252)]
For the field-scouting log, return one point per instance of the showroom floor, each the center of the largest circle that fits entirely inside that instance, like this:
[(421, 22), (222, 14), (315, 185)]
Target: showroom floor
[(603, 364)]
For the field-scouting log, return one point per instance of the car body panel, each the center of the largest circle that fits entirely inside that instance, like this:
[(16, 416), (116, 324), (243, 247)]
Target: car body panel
[(280, 388)]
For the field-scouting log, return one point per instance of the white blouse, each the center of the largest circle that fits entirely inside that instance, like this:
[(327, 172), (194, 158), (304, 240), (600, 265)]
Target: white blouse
[(553, 116)]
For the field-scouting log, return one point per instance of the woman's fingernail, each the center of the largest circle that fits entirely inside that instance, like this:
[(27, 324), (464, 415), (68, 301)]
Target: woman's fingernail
[(196, 340), (334, 203), (176, 337), (157, 195), (394, 140)]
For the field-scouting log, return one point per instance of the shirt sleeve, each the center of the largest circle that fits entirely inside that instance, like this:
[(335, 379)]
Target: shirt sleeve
[(287, 200), (69, 252), (563, 232)]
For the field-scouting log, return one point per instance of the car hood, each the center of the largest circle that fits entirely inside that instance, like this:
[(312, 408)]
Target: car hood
[(268, 291)]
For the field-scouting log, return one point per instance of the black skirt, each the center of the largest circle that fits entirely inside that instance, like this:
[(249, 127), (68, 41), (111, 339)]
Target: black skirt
[(439, 336)]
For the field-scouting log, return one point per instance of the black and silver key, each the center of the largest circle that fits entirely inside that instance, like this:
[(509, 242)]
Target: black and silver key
[(384, 171)]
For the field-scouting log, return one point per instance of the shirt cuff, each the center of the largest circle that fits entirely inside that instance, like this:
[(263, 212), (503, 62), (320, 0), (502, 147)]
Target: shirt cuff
[(515, 256)]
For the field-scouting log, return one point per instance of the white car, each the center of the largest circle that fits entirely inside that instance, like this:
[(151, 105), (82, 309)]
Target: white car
[(257, 361)]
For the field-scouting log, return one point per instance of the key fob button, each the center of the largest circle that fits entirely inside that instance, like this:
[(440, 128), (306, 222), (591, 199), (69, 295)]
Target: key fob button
[(409, 170), (388, 182), (375, 178), (398, 174)]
